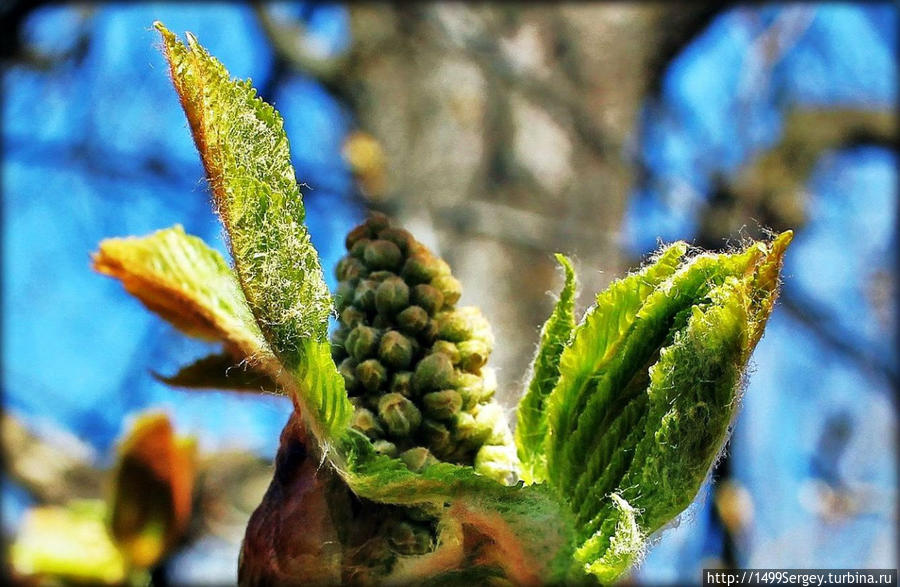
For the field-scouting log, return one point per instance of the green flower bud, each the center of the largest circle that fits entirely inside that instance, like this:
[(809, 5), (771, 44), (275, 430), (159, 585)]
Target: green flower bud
[(351, 317), (395, 350), (385, 447), (497, 462), (448, 348), (382, 254), (364, 298), (339, 337), (358, 232), (400, 416), (417, 458), (473, 354), (442, 405), (428, 297), (376, 222), (357, 251), (433, 373), (422, 267), (349, 269), (400, 237), (347, 369), (379, 276), (371, 374), (365, 421), (472, 389), (467, 432), (400, 383), (449, 287), (344, 295), (391, 296), (462, 324), (408, 538), (429, 334), (490, 420), (437, 436), (412, 320), (362, 342)]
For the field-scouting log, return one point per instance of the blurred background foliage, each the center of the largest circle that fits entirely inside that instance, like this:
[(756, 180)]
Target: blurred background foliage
[(498, 134)]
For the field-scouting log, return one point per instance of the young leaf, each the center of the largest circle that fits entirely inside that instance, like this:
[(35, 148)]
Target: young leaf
[(221, 371), (596, 341), (657, 414), (245, 152), (151, 501), (189, 284), (68, 543), (531, 426)]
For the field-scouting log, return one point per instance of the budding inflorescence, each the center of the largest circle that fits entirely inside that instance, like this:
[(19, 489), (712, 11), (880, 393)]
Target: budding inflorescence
[(413, 363)]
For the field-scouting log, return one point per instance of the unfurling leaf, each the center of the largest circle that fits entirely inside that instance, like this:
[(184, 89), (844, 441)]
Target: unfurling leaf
[(531, 426), (189, 284), (221, 371), (244, 149), (69, 543), (151, 501), (646, 392)]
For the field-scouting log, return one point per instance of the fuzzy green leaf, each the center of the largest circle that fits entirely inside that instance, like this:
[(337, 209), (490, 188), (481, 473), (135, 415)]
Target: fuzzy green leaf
[(245, 152), (189, 284), (221, 371), (656, 414), (531, 426), (595, 342)]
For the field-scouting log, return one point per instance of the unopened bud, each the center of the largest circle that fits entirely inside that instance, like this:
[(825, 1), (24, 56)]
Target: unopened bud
[(417, 458), (395, 350), (412, 320), (433, 373), (349, 268), (422, 267), (371, 374), (364, 297), (358, 249), (379, 276), (385, 447), (449, 287), (382, 254), (400, 383), (428, 297), (490, 419), (442, 405), (365, 421), (408, 538), (351, 317), (400, 416), (429, 334), (472, 389), (344, 295), (362, 342), (400, 237), (437, 436), (347, 369), (358, 232), (391, 296), (473, 354), (448, 348), (497, 462), (376, 222), (467, 432)]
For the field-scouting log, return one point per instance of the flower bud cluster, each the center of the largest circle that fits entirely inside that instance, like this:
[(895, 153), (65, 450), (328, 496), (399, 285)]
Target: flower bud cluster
[(413, 362)]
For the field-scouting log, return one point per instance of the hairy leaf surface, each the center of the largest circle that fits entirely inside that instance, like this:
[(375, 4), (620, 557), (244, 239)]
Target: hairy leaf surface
[(245, 152), (531, 426)]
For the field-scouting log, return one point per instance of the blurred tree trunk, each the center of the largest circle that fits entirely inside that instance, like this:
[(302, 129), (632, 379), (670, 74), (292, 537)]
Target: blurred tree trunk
[(505, 132)]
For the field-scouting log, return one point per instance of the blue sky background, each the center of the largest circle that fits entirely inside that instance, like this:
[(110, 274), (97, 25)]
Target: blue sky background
[(99, 147)]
